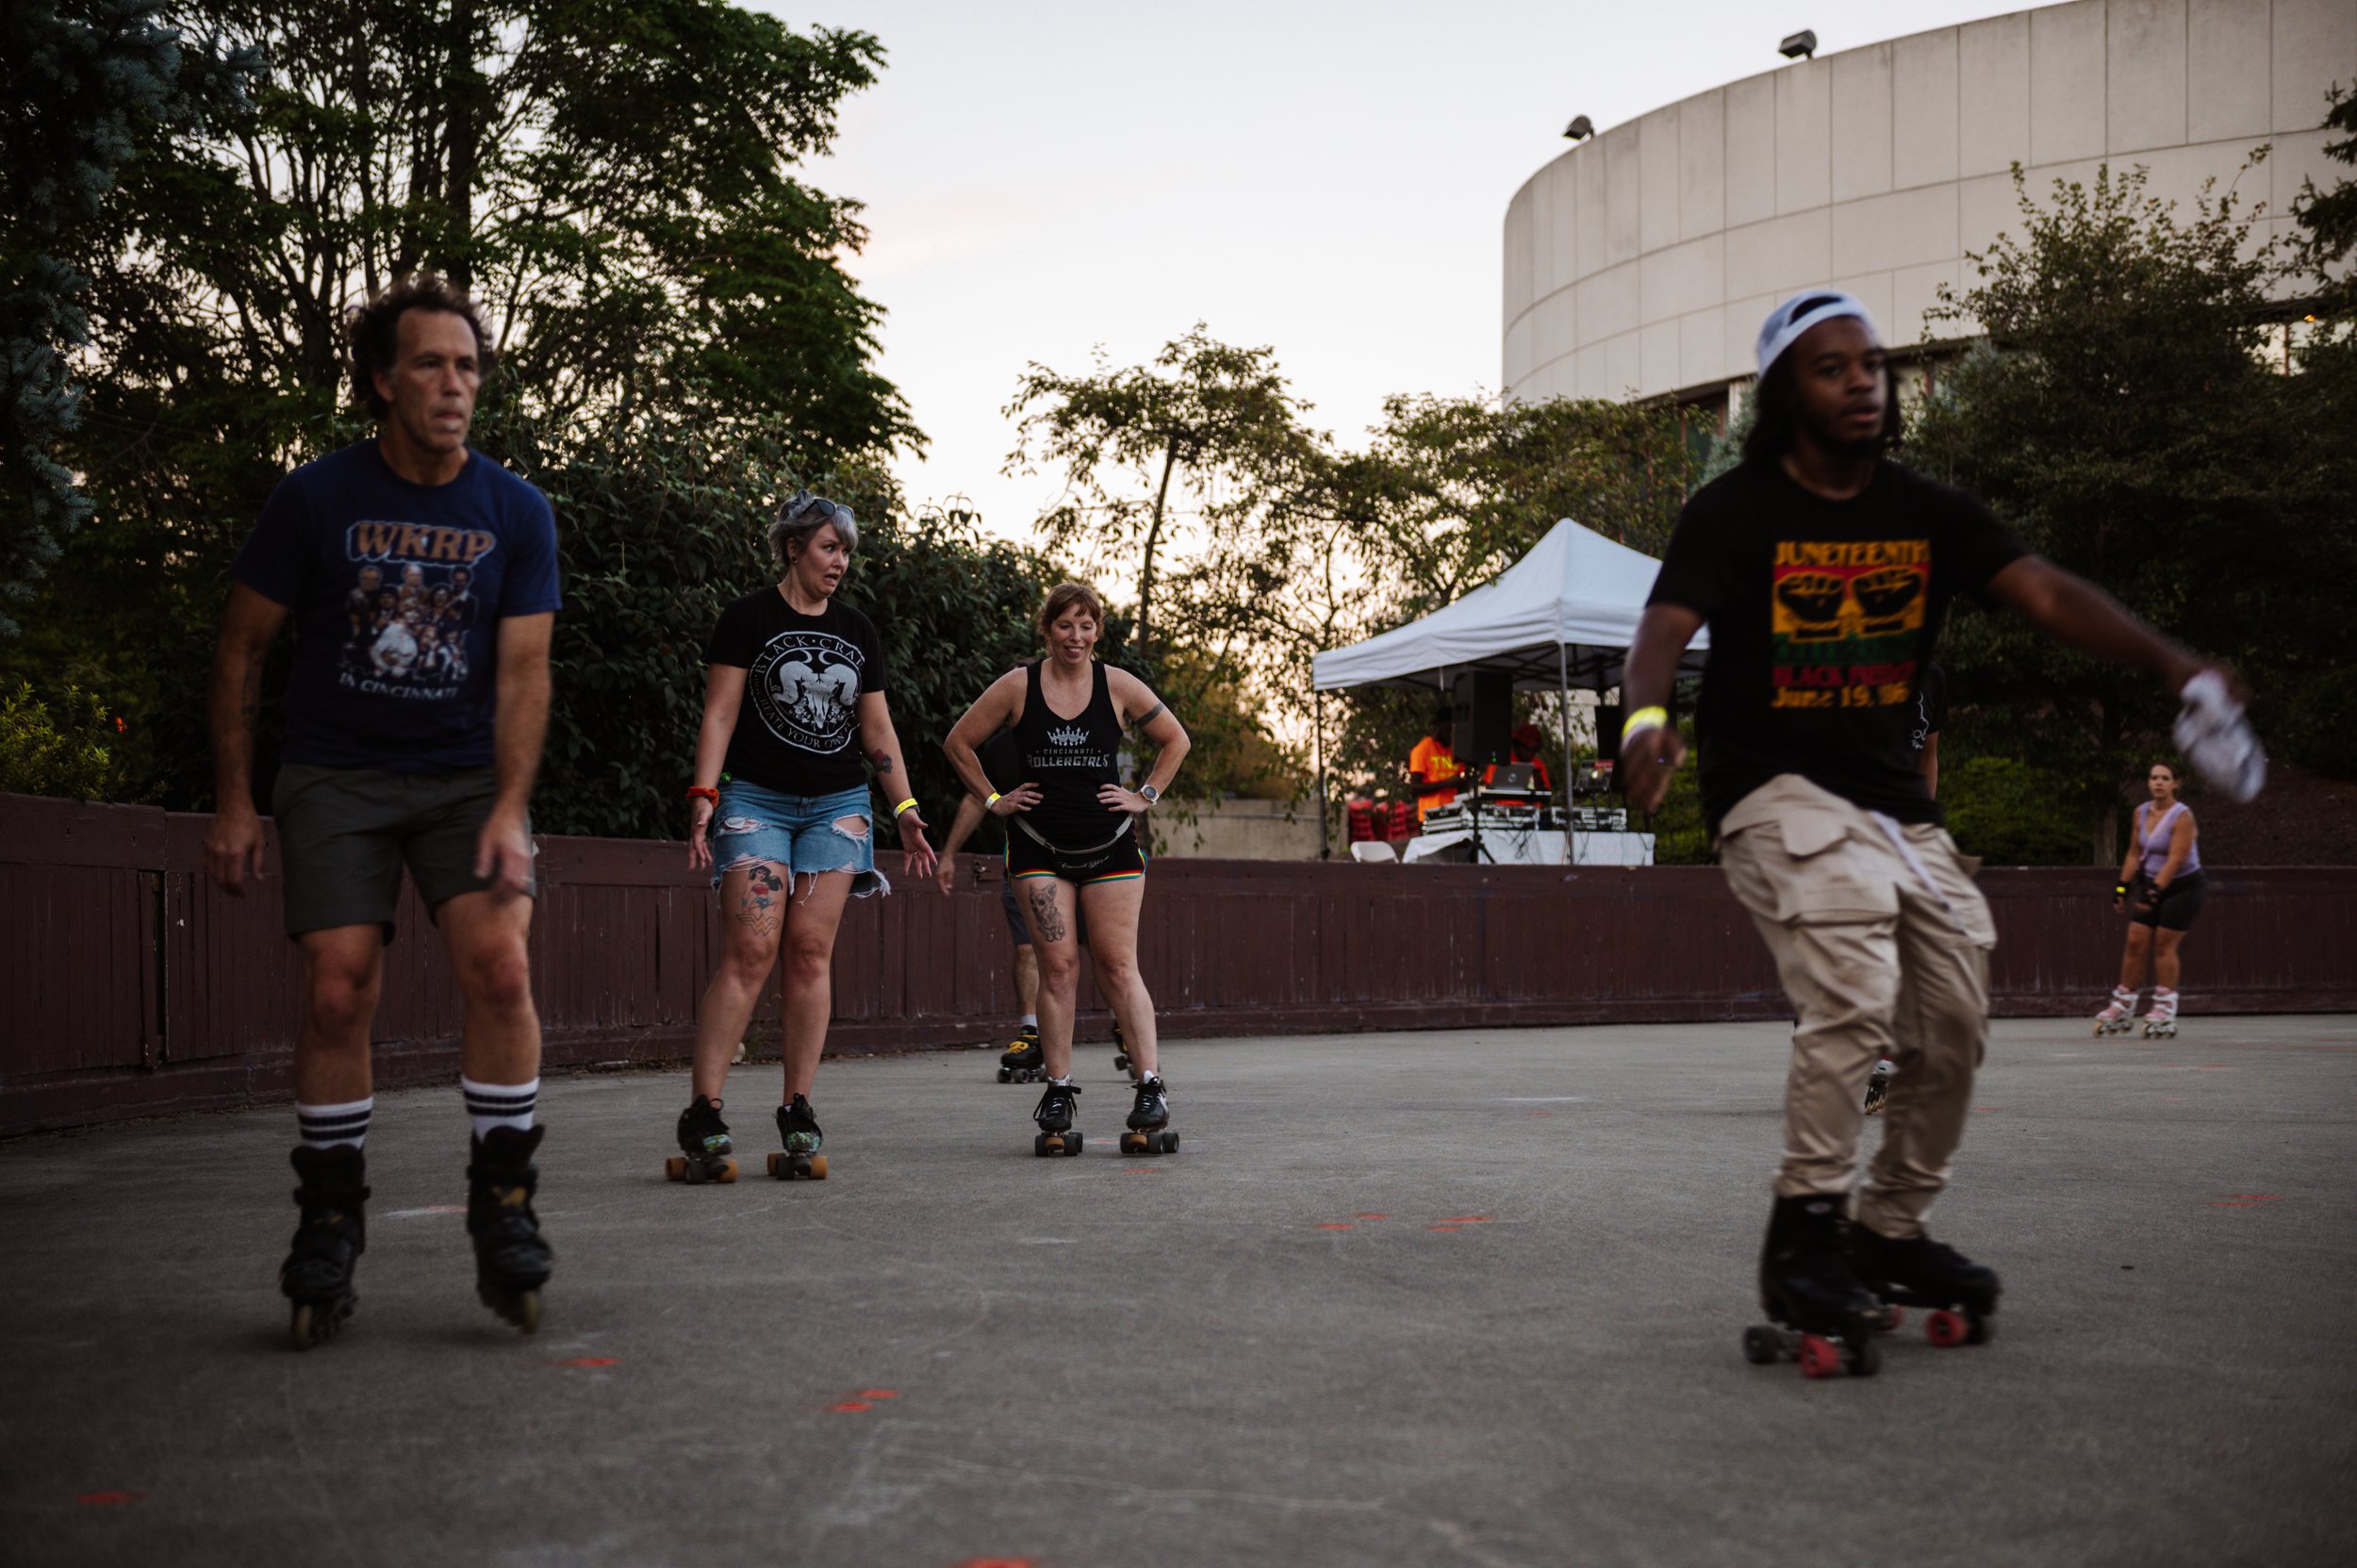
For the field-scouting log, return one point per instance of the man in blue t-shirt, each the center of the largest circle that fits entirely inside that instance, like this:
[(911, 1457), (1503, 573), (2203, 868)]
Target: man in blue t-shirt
[(420, 580)]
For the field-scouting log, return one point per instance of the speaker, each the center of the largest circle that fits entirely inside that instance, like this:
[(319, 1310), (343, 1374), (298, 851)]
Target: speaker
[(1609, 722)]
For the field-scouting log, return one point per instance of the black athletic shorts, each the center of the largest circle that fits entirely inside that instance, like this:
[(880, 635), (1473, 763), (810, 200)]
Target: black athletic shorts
[(1118, 860), (2174, 909)]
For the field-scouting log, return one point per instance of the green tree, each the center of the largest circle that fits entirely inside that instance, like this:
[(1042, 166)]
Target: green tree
[(2125, 416), (83, 78)]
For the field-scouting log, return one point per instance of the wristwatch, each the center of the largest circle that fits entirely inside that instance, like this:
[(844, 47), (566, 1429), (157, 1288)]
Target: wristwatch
[(1148, 794)]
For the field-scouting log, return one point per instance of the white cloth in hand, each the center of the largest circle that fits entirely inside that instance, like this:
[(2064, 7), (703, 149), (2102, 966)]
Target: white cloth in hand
[(2215, 736)]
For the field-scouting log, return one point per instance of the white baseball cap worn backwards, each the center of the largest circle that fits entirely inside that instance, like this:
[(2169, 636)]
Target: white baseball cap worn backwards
[(1787, 322)]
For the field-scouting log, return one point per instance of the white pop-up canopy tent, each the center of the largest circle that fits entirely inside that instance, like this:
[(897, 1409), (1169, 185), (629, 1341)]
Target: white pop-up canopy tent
[(1564, 615)]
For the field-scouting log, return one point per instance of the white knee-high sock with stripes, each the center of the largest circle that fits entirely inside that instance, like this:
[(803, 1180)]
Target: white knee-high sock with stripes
[(495, 1105), (335, 1126)]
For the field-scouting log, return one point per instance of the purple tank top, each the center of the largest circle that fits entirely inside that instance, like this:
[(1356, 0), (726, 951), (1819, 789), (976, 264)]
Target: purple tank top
[(2154, 838)]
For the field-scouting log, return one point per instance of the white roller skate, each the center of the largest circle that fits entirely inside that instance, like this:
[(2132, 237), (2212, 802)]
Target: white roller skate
[(2161, 1023), (2119, 1017)]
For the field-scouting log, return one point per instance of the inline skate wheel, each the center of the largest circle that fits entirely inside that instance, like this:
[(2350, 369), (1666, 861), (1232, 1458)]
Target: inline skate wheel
[(1762, 1344), (1819, 1359), (675, 1168), (1945, 1329)]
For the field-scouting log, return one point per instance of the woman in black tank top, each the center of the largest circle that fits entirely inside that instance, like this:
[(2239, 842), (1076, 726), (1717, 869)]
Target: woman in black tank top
[(1073, 846)]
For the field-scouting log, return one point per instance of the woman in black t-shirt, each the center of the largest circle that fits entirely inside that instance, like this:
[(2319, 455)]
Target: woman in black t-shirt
[(1072, 844), (794, 698)]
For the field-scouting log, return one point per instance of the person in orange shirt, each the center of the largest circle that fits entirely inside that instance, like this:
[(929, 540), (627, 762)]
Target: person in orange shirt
[(1523, 746), (1431, 763)]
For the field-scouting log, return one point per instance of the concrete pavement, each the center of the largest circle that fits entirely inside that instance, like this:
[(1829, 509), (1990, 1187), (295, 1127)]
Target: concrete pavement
[(1436, 1298)]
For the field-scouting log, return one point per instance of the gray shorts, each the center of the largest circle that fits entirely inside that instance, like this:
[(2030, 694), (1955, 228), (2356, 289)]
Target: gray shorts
[(345, 832)]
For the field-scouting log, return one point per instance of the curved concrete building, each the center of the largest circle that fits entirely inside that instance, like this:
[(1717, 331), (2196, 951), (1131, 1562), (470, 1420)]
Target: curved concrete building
[(1641, 262)]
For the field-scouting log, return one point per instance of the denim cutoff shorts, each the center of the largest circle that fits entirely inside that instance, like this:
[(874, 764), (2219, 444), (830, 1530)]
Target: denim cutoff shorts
[(800, 833)]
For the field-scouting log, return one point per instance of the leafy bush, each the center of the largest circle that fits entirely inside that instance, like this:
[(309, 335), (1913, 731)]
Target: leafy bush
[(2011, 813), (2319, 726), (59, 752)]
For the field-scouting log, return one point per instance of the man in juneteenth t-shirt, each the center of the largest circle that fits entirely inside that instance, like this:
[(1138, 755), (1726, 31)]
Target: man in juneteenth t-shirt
[(1824, 570)]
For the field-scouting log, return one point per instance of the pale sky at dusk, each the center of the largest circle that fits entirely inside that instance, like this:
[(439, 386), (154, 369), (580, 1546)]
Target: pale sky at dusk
[(1329, 179)]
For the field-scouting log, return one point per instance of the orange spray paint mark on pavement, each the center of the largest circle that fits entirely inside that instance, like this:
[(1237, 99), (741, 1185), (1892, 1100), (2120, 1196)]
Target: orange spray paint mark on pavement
[(1338, 1224), (878, 1393), (1370, 1216), (590, 1361), (850, 1406), (1466, 1219)]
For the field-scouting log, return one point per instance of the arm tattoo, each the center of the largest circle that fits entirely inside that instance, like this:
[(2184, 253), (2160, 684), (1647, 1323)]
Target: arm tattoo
[(1044, 910), (882, 759), (1156, 712)]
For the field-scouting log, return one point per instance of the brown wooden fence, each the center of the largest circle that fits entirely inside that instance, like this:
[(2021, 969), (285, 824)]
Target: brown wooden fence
[(130, 985)]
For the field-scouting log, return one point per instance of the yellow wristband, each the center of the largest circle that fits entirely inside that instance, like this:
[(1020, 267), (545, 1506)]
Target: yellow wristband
[(1645, 718), (991, 802), (903, 806)]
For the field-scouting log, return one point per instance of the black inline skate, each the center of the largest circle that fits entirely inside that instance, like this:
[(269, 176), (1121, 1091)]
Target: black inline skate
[(332, 1235), (706, 1153), (1054, 1113), (1960, 1294), (512, 1260), (1021, 1063), (1149, 1120), (1819, 1313), (798, 1129)]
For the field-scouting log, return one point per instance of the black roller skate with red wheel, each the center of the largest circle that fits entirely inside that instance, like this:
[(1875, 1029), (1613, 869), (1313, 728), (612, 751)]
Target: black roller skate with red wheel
[(798, 1129), (1960, 1294), (1821, 1314), (328, 1241), (1055, 1113), (1149, 1120), (706, 1153), (1021, 1062), (512, 1260)]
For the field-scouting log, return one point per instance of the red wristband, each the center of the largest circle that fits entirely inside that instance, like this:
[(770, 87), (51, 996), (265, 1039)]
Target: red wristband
[(703, 792)]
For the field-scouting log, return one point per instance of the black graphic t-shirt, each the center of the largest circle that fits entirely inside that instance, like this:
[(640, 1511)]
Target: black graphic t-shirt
[(1931, 705), (397, 592), (1822, 614), (798, 728), (1071, 759)]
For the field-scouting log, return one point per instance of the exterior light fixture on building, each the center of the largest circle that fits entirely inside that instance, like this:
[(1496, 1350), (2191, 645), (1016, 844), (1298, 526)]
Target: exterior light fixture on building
[(1580, 129), (1800, 46)]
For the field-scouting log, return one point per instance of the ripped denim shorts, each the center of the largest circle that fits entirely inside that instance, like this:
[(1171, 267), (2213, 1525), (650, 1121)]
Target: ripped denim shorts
[(802, 833)]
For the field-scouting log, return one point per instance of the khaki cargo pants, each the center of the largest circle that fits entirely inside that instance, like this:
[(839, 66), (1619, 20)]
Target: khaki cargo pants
[(1882, 950)]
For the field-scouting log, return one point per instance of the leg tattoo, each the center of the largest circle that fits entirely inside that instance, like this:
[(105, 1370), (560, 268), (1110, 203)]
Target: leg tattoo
[(758, 909), (1043, 908)]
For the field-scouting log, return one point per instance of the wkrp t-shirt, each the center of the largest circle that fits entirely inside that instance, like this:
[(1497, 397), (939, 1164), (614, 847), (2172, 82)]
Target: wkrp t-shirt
[(797, 727), (1822, 614), (397, 591)]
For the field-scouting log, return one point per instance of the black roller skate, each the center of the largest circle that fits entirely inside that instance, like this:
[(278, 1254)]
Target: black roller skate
[(1054, 1113), (317, 1275), (798, 1129), (1021, 1063), (706, 1153), (1878, 1087), (1121, 1054), (512, 1260), (1821, 1315), (1921, 1272), (1149, 1120)]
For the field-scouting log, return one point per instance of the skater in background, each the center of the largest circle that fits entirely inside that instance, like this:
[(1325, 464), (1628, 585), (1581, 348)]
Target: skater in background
[(388, 766), (1003, 762), (794, 700), (1071, 840), (2162, 887), (1931, 717), (1823, 572)]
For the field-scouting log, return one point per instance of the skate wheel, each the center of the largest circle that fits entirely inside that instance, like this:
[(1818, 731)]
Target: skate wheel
[(1170, 1142), (527, 1314), (1762, 1344), (777, 1166), (1866, 1359), (1043, 1144), (675, 1168), (1006, 1075), (817, 1167), (728, 1170), (1818, 1357), (1073, 1144), (1894, 1319), (1945, 1329)]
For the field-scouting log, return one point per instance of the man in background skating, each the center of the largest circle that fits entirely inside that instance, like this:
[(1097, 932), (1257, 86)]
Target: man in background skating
[(427, 764), (1823, 572)]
